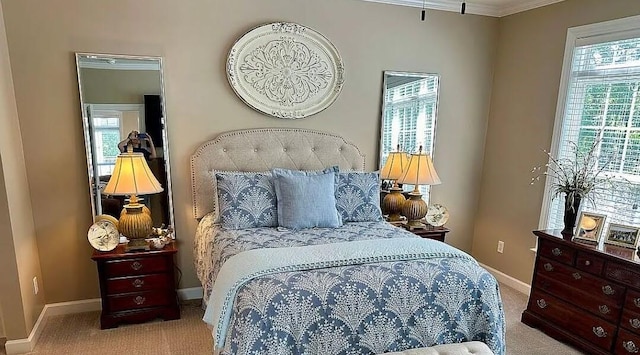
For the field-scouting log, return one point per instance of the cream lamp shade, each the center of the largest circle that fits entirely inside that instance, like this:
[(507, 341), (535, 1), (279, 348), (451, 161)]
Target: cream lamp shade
[(132, 176), (394, 166), (419, 172)]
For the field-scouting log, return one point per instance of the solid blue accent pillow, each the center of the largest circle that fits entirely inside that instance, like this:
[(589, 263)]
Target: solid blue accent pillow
[(246, 200), (306, 199), (358, 197)]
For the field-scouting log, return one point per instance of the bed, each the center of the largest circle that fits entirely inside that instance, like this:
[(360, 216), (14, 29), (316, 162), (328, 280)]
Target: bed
[(364, 287)]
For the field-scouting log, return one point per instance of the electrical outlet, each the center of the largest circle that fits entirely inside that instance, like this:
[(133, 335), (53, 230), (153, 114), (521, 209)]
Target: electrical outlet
[(500, 246), (35, 285)]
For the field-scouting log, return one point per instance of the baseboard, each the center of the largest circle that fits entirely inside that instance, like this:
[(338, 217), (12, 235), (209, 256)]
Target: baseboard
[(21, 346), (192, 293), (509, 281)]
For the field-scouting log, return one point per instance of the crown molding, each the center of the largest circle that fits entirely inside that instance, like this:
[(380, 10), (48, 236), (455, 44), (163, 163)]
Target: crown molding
[(526, 6), (475, 9)]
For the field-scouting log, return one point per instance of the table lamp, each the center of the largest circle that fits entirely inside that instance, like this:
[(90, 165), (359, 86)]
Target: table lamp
[(419, 172), (393, 168), (132, 176)]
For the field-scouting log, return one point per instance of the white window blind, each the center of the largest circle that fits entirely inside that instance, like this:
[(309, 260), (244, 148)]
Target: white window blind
[(603, 105), (410, 120)]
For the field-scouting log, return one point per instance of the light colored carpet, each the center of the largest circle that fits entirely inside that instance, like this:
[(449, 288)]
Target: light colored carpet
[(81, 334)]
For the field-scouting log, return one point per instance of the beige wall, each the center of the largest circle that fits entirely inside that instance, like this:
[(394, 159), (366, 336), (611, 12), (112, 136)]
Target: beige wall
[(523, 107), (103, 86), (194, 37), (19, 260)]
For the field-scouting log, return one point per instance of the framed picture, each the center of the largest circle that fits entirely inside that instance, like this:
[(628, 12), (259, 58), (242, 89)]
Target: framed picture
[(589, 227), (621, 235)]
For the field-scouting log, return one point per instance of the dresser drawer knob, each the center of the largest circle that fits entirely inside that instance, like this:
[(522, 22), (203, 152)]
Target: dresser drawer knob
[(577, 276), (548, 267), (599, 332), (139, 300), (636, 301), (556, 252), (137, 283), (587, 263), (604, 309), (608, 290), (542, 303), (635, 323), (136, 265), (630, 347)]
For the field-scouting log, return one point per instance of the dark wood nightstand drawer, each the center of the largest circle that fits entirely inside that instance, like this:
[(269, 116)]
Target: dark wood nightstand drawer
[(598, 288), (138, 266), (556, 251), (138, 300), (589, 263), (591, 328), (627, 343), (604, 308), (138, 283)]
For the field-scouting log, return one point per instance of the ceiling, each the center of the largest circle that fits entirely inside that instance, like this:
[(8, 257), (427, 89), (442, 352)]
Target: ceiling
[(495, 8)]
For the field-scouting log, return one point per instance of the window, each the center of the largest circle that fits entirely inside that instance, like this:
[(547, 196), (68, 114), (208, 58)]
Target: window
[(106, 130), (409, 115), (600, 101)]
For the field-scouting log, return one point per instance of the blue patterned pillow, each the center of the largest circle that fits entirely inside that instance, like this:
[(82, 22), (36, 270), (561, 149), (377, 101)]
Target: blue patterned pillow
[(246, 200), (306, 199), (358, 197)]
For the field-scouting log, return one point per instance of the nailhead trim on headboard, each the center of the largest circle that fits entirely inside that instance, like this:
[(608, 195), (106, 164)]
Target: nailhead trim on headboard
[(262, 150)]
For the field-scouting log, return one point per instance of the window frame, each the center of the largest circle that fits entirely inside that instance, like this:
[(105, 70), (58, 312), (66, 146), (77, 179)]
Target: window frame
[(607, 31)]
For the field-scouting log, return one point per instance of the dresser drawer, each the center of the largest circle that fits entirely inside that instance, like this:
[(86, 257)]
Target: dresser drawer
[(627, 343), (589, 263), (138, 266), (596, 287), (139, 300), (605, 308), (624, 274), (138, 283), (565, 316), (631, 320), (556, 251)]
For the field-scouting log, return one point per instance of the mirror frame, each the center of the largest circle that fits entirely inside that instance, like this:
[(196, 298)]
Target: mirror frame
[(385, 75), (87, 132)]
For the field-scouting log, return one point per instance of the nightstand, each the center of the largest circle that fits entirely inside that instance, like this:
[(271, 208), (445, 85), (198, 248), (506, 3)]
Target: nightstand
[(137, 286), (430, 232)]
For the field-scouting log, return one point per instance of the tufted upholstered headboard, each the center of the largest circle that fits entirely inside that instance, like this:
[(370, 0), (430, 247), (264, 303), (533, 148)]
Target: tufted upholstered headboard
[(262, 150)]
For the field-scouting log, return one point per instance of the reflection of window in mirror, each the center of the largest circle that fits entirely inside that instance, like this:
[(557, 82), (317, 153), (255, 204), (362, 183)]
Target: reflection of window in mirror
[(409, 111)]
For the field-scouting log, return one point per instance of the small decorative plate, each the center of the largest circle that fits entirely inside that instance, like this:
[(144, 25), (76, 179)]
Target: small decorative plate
[(107, 217), (437, 215), (103, 235), (285, 70)]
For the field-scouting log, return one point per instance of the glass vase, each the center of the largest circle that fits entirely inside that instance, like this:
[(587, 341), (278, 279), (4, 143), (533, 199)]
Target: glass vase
[(571, 207)]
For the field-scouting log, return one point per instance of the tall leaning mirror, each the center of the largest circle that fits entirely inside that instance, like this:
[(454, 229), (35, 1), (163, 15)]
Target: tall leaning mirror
[(122, 101), (409, 114)]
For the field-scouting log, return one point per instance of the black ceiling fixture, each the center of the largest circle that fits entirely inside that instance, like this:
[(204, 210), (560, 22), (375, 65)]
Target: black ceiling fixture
[(424, 9), (463, 10)]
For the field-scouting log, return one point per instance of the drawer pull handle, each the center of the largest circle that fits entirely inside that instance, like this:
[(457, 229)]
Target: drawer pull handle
[(577, 276), (137, 283), (635, 323), (542, 303), (608, 290), (636, 301), (630, 347), (139, 300), (548, 267), (136, 265), (587, 263), (604, 309), (556, 252), (599, 332)]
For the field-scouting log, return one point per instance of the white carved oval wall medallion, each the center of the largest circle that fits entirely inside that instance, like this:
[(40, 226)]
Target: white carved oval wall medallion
[(285, 70)]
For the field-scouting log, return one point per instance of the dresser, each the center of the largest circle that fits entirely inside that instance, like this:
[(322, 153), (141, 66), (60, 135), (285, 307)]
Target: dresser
[(137, 286), (586, 295)]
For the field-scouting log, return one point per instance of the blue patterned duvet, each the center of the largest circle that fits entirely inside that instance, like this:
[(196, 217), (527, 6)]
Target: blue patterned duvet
[(354, 309)]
